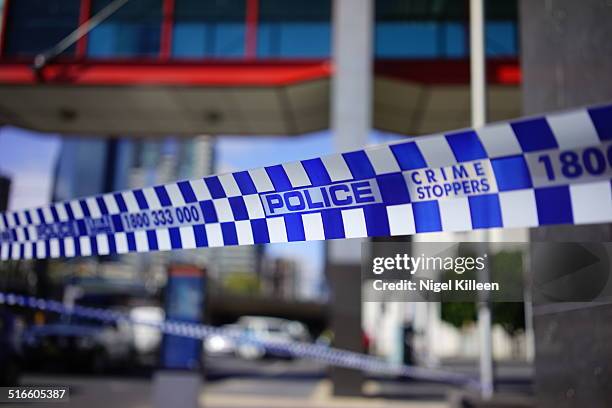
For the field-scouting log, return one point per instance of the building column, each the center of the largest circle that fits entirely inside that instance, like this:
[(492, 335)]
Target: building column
[(351, 118), (5, 188), (566, 57)]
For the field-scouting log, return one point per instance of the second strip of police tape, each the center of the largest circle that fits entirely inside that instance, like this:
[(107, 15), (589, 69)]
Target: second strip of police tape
[(329, 355)]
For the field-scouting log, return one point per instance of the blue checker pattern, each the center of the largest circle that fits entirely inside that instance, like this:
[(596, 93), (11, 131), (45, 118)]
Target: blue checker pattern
[(485, 211), (115, 222), (408, 156), (162, 196), (602, 120), (245, 182), (359, 165), (316, 171), (215, 187), (230, 236), (239, 208), (140, 199), (279, 178), (534, 134), (295, 227), (427, 216), (377, 221), (466, 146), (393, 188), (187, 192), (511, 173), (554, 205)]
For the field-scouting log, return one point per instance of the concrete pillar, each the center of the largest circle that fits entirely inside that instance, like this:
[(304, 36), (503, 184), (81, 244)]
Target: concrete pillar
[(5, 188), (351, 118), (566, 61)]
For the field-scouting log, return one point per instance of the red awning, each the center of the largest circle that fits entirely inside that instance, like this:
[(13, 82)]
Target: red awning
[(239, 97), (246, 73), (116, 73)]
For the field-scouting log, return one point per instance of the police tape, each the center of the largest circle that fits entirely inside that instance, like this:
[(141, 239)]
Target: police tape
[(329, 355), (530, 172)]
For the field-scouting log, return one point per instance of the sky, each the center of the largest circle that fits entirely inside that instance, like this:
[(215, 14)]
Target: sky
[(246, 152), (28, 159)]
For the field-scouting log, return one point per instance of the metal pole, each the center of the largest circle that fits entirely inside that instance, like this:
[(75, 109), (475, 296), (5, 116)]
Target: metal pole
[(479, 118), (351, 115), (528, 302), (477, 64), (486, 346), (44, 57)]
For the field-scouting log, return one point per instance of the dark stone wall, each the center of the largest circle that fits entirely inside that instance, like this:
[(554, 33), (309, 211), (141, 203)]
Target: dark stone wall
[(566, 53), (566, 58), (345, 320), (5, 186)]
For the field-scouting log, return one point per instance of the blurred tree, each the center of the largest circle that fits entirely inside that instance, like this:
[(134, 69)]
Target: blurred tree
[(243, 283), (507, 269), (459, 314)]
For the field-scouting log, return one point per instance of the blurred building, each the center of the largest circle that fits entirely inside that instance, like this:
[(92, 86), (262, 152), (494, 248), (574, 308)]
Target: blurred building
[(185, 67), (82, 167), (236, 67), (93, 166), (279, 278), (5, 186), (2, 11)]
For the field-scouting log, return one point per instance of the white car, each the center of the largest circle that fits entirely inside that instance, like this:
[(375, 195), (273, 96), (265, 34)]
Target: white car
[(269, 329), (146, 338), (221, 344), (257, 329)]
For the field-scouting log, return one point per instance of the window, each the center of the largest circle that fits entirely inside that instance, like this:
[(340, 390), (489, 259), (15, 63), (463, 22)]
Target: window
[(426, 29), (36, 25), (209, 28), (294, 29), (502, 38), (294, 40), (133, 31)]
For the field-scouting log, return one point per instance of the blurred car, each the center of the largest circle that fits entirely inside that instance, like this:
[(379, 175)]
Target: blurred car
[(243, 337), (146, 339), (10, 360), (222, 344), (79, 344)]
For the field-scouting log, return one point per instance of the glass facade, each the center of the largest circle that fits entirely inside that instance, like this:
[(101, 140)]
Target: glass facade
[(218, 29), (80, 168), (208, 29), (133, 31), (439, 29), (36, 25), (297, 29)]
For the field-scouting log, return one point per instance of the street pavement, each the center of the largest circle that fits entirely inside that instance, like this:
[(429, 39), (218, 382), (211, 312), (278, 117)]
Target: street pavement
[(234, 383)]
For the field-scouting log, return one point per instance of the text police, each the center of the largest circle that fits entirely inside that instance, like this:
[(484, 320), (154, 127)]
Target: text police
[(317, 198)]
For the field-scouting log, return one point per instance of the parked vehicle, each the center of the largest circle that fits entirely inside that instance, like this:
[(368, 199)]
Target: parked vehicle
[(10, 361), (245, 337), (221, 344), (146, 340), (80, 344)]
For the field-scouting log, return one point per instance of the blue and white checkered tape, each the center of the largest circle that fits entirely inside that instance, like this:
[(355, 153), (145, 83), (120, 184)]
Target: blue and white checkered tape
[(330, 355), (531, 172)]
